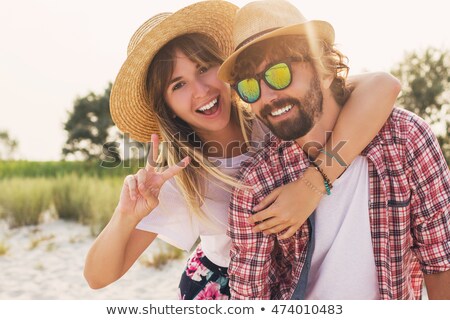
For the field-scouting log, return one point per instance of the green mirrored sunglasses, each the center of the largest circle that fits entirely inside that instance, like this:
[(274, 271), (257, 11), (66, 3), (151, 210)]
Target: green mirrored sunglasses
[(277, 76)]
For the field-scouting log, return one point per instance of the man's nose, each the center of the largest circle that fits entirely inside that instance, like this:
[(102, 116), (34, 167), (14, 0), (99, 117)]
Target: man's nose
[(268, 95)]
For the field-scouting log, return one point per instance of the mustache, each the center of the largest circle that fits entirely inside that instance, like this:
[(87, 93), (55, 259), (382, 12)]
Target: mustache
[(277, 104)]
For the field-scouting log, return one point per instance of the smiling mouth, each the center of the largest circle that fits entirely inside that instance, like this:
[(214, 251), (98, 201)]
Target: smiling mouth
[(281, 111), (209, 108)]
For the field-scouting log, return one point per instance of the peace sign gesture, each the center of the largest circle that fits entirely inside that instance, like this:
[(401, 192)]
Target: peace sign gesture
[(140, 191)]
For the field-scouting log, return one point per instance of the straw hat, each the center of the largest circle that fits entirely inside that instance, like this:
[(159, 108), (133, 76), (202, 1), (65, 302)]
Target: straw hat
[(262, 20), (131, 109)]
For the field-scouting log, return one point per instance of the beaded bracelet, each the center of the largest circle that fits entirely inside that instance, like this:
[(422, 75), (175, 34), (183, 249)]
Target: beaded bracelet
[(311, 186), (326, 181)]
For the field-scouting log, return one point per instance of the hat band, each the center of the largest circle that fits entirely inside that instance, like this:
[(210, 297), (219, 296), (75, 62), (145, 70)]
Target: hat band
[(253, 37)]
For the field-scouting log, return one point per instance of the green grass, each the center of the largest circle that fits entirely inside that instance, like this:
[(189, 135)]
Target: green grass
[(3, 248), (160, 258), (23, 200), (33, 169), (51, 246), (88, 200), (72, 197), (35, 242), (106, 193), (80, 198)]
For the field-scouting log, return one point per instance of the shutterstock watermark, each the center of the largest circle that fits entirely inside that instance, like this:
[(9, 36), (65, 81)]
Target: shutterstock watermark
[(132, 151)]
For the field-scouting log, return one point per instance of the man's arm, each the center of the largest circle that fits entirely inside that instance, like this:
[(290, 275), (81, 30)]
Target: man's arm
[(430, 209), (250, 252), (438, 285)]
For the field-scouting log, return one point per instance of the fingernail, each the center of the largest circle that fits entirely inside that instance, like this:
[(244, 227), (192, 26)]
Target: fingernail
[(183, 163)]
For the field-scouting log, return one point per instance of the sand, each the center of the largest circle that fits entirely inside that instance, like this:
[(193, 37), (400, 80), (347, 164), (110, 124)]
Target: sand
[(53, 268)]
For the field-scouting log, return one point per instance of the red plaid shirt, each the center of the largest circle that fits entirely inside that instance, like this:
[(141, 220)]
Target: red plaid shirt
[(409, 207)]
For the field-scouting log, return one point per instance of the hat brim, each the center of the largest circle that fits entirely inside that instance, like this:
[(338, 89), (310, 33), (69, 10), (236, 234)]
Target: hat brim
[(131, 109), (314, 29)]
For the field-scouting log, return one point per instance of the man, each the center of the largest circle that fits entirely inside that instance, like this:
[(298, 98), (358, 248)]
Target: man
[(386, 225)]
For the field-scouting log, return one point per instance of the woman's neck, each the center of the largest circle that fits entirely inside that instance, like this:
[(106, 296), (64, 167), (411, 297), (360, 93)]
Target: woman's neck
[(226, 143)]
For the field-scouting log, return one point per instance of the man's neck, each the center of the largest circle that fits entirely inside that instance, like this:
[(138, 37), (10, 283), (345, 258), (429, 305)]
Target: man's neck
[(316, 139)]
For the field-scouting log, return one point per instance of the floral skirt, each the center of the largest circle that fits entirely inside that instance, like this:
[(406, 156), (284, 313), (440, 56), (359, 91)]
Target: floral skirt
[(203, 280)]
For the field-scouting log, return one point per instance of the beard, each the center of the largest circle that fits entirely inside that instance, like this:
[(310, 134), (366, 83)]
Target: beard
[(303, 116)]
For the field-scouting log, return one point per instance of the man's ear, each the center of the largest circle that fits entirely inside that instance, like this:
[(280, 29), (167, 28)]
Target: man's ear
[(326, 82)]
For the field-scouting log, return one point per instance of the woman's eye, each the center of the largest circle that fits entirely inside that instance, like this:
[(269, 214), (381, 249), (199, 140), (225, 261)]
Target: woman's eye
[(177, 86), (203, 69)]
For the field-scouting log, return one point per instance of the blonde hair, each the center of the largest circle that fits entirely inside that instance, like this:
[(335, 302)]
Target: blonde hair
[(325, 58), (180, 138)]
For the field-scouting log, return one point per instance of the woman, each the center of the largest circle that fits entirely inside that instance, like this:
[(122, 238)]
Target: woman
[(168, 85)]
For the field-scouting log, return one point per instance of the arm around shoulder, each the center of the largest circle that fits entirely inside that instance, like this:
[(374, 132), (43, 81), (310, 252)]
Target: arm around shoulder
[(383, 86), (361, 118)]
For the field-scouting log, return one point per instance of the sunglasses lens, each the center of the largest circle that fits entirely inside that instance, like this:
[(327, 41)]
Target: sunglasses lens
[(248, 90), (278, 76)]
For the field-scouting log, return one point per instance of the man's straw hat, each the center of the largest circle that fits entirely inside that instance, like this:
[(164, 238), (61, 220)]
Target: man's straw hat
[(131, 107), (266, 19)]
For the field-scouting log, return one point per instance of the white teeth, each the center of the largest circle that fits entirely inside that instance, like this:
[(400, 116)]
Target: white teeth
[(208, 106), (281, 111)]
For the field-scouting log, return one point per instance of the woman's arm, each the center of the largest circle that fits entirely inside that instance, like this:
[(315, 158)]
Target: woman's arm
[(120, 244), (359, 121), (362, 116), (115, 250)]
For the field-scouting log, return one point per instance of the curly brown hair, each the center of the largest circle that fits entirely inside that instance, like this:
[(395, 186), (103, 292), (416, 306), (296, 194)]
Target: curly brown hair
[(325, 59)]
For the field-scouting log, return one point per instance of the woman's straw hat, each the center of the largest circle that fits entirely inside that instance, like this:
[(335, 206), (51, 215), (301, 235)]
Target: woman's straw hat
[(266, 19), (131, 107)]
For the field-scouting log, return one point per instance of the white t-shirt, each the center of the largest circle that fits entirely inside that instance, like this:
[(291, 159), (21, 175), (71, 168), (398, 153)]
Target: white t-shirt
[(343, 263), (174, 224)]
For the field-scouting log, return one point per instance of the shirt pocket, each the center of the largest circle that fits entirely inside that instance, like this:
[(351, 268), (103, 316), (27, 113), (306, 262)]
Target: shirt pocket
[(400, 201), (400, 219)]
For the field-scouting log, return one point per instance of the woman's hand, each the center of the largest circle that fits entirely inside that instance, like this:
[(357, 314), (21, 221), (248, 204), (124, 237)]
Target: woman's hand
[(140, 191), (289, 206)]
